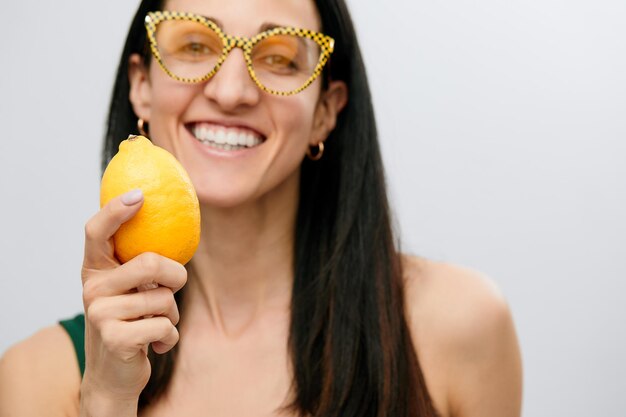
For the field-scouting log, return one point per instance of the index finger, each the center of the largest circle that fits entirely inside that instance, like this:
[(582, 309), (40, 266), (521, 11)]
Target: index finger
[(146, 271), (99, 230)]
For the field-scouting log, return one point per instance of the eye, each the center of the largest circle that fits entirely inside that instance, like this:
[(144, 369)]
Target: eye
[(276, 63), (279, 54), (279, 61), (195, 49)]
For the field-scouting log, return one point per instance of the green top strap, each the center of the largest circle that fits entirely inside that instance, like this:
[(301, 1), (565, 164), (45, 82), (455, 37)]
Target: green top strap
[(75, 327)]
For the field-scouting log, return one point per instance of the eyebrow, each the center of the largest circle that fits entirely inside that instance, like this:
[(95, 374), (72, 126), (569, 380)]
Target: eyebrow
[(269, 26), (214, 20)]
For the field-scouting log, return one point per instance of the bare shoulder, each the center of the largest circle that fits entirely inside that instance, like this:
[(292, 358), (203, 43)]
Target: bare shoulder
[(40, 376), (465, 338), (463, 301)]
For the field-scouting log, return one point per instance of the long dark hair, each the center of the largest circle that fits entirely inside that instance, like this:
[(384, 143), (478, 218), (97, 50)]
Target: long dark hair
[(349, 341)]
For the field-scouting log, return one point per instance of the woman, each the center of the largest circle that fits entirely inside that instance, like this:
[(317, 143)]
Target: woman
[(297, 301)]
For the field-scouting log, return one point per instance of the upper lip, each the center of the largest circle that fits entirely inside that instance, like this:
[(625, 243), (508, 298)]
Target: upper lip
[(230, 123)]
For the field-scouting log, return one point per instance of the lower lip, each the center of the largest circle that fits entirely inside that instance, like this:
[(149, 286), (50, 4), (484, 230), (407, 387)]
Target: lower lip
[(222, 153)]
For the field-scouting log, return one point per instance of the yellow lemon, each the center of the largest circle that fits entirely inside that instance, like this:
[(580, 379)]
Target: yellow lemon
[(168, 223)]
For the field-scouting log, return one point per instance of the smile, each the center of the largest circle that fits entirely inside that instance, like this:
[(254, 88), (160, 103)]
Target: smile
[(225, 138)]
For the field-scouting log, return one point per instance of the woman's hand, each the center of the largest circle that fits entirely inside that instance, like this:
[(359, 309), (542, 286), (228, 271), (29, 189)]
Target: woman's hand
[(121, 321)]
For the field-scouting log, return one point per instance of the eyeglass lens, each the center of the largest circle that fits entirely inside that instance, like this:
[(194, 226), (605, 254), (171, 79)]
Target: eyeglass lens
[(191, 49)]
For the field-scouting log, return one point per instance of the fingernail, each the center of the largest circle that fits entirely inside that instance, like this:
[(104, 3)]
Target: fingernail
[(132, 197)]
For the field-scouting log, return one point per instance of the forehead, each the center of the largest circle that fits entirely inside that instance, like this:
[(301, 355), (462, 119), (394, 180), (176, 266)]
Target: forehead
[(245, 17)]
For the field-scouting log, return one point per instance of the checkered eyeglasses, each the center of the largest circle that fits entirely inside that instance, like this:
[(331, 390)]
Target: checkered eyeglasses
[(191, 48)]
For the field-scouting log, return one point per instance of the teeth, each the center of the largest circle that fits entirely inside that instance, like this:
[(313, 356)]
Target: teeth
[(223, 138), (225, 147), (220, 137), (232, 138)]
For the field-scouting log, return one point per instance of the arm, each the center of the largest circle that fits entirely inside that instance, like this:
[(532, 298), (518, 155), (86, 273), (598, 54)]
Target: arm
[(40, 377), (464, 335), (488, 382)]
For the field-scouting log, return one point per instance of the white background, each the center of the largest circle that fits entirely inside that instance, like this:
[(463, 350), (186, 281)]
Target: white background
[(503, 127)]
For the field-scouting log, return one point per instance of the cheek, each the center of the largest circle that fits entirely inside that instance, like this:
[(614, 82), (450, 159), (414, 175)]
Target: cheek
[(293, 120), (171, 100)]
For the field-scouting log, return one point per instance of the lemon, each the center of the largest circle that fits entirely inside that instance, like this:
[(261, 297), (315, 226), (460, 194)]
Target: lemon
[(168, 223)]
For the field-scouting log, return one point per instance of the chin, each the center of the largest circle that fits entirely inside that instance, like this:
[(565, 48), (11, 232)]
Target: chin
[(222, 198)]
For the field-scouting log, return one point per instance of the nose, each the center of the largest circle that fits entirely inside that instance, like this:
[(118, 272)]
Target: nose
[(231, 87)]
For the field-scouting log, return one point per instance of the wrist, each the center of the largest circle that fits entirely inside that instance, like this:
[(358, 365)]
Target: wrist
[(94, 403)]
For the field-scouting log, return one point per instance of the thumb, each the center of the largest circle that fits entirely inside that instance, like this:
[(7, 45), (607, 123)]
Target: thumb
[(99, 249)]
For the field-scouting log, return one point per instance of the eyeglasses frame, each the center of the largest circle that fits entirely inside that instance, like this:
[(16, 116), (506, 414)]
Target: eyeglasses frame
[(230, 42)]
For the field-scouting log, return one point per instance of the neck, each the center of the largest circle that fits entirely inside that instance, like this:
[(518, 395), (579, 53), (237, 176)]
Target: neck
[(243, 267)]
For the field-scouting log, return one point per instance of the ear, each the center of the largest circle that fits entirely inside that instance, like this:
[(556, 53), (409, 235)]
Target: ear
[(331, 102), (140, 88)]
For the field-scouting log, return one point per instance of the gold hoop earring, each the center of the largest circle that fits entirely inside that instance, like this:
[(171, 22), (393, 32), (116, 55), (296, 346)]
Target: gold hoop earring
[(318, 154), (140, 127)]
